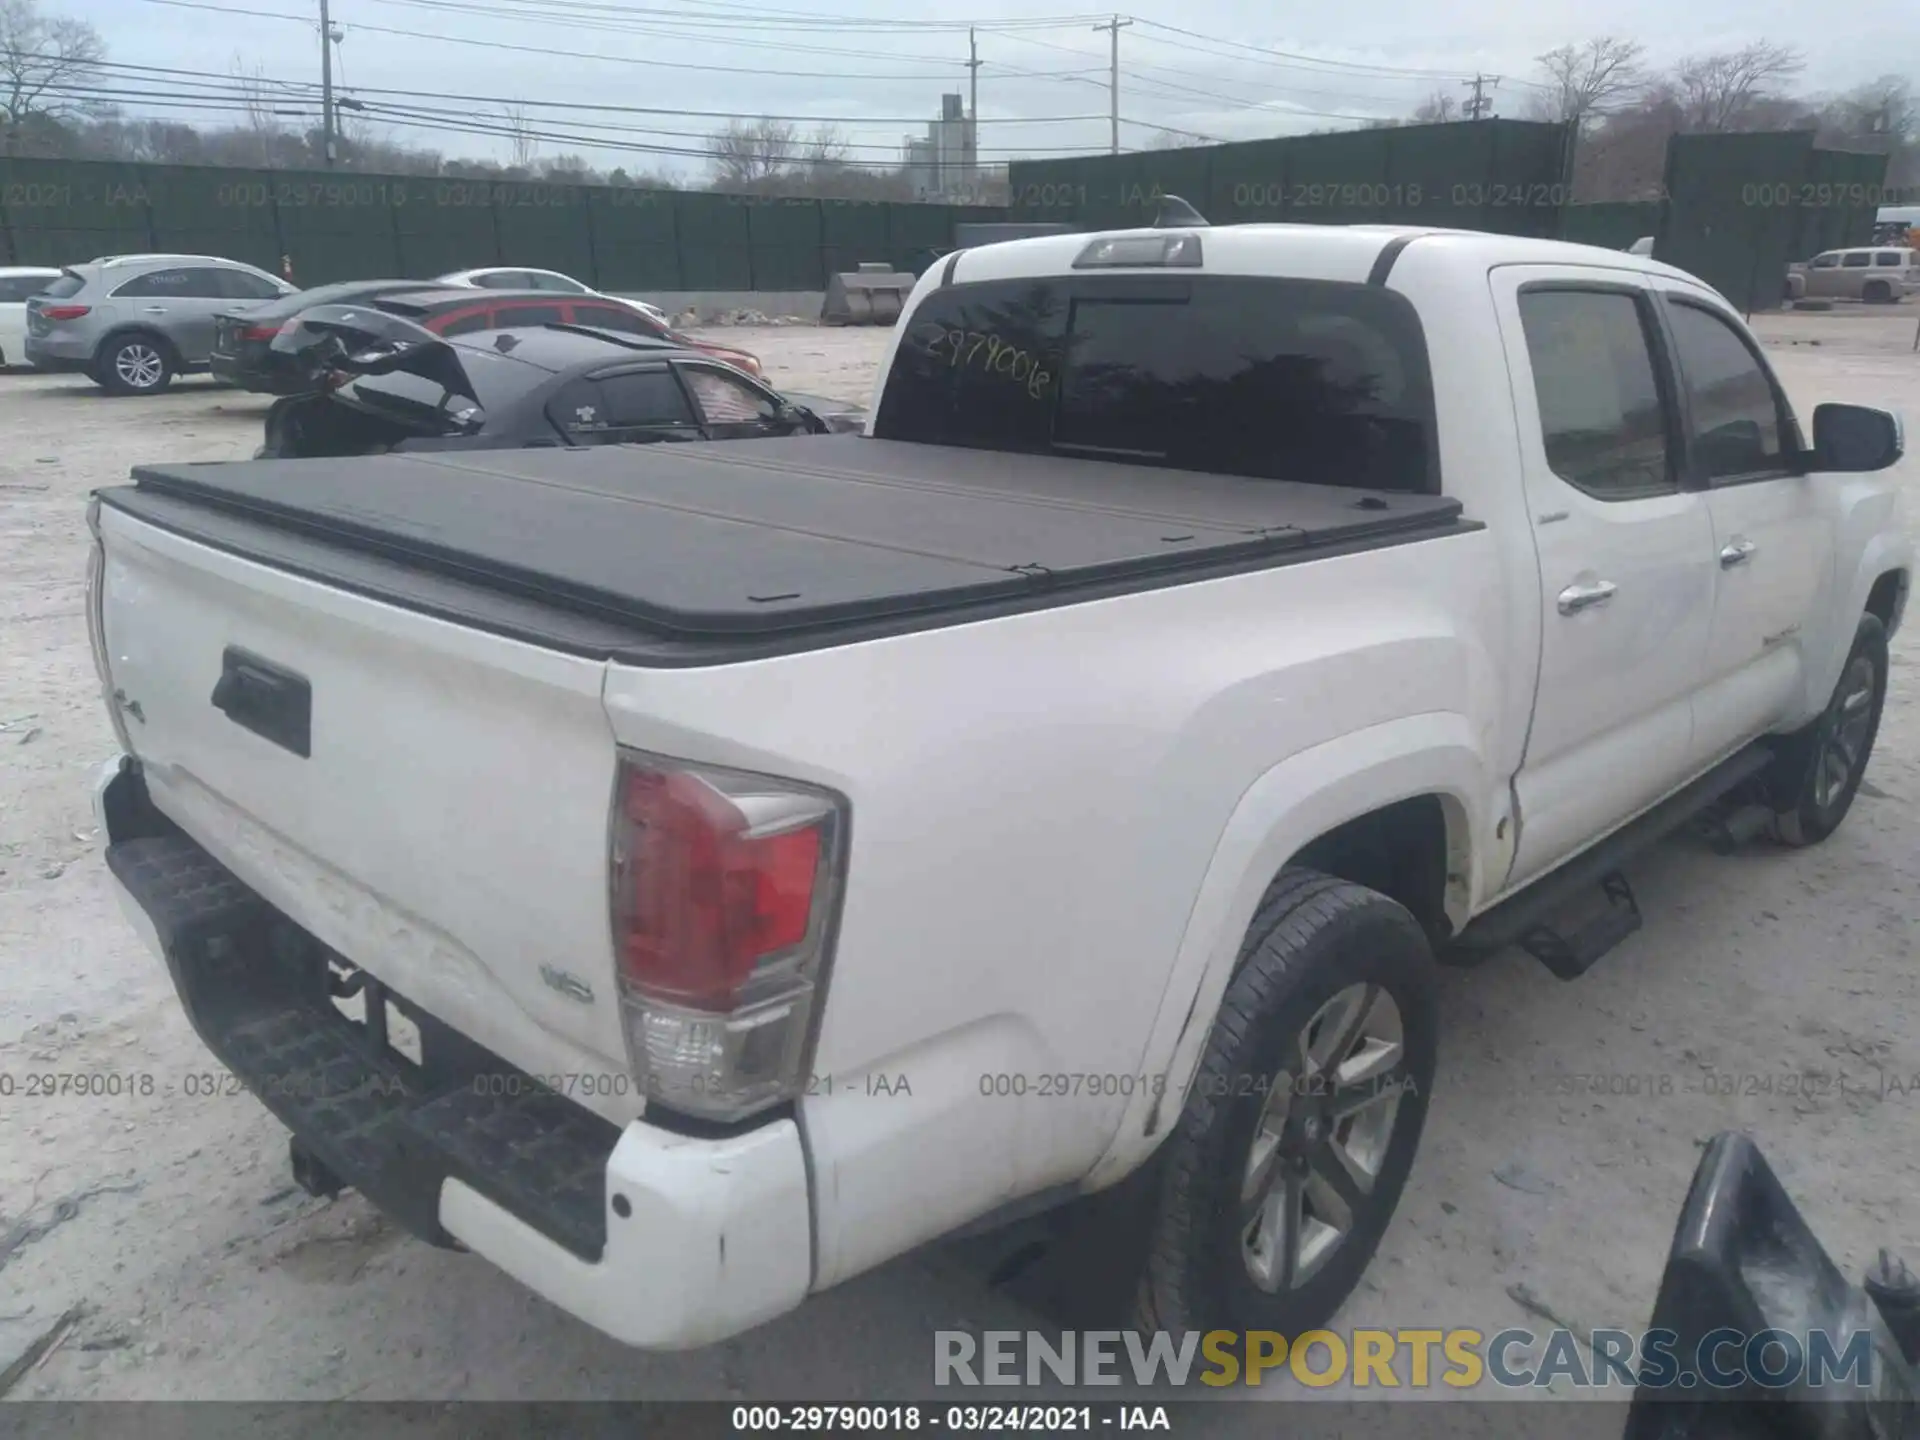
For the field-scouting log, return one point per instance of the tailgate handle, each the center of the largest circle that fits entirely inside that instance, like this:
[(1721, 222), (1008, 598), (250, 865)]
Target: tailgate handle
[(272, 702)]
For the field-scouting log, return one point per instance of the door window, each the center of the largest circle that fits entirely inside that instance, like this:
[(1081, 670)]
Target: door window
[(534, 314), (1603, 418), (462, 322), (1892, 259), (15, 288), (503, 280), (559, 284), (245, 285), (1739, 429), (1826, 262), (186, 282), (625, 406), (725, 400), (1856, 260), (614, 317)]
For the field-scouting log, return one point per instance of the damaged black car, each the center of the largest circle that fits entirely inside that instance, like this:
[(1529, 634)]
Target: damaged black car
[(381, 383)]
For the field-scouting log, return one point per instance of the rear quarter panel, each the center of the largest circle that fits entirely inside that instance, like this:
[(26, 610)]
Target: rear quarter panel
[(1038, 802)]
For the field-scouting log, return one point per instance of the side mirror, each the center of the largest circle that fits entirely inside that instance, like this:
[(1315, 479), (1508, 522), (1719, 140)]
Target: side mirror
[(1856, 439)]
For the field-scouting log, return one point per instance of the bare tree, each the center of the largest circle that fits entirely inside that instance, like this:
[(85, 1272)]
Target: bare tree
[(751, 152), (1585, 81), (1886, 107), (46, 66), (520, 136), (826, 148), (1721, 91), (1436, 109), (257, 97)]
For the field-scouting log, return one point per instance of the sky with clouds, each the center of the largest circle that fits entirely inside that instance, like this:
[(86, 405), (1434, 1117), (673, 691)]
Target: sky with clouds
[(1227, 69)]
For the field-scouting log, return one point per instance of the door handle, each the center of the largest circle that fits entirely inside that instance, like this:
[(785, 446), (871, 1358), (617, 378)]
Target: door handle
[(1576, 598), (1737, 552), (154, 309)]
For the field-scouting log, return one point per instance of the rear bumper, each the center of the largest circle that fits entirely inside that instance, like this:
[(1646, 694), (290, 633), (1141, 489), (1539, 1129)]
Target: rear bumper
[(56, 352), (662, 1241), (257, 373)]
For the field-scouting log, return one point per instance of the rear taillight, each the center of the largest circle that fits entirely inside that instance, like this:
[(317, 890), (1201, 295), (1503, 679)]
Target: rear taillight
[(261, 332), (725, 886), (64, 312)]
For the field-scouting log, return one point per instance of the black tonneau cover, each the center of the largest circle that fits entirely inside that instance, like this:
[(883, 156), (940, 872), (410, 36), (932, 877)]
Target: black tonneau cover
[(765, 537)]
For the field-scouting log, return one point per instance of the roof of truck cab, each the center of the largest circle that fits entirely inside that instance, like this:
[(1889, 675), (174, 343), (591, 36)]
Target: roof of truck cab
[(1307, 252)]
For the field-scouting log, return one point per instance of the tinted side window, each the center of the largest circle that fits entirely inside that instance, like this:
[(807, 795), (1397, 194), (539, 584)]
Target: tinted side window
[(644, 397), (1856, 260), (614, 317), (560, 284), (1274, 379), (16, 288), (1893, 259), (1737, 423), (1601, 414), (242, 285), (1825, 262), (503, 280), (177, 283), (463, 324), (511, 314)]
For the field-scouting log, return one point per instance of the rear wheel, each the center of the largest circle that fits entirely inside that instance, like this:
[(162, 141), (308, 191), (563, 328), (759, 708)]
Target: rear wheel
[(1877, 292), (1300, 1129), (1818, 770), (135, 365)]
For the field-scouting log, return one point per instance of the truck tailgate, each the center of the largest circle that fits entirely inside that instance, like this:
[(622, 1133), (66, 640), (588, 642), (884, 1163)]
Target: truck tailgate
[(446, 828)]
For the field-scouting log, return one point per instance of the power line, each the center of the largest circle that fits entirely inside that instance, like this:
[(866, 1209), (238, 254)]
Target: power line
[(573, 55), (309, 85)]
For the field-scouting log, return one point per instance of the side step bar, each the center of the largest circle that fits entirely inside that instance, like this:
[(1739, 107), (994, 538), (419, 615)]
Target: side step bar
[(1527, 920)]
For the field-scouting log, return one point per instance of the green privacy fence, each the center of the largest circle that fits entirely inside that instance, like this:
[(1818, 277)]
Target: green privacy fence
[(337, 226), (1501, 175), (1741, 207)]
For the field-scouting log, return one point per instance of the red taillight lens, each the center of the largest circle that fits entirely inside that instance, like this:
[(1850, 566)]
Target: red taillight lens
[(724, 887), (64, 312), (701, 900), (261, 332)]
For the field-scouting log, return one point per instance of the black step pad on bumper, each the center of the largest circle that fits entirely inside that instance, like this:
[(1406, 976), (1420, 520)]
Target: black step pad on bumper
[(255, 987)]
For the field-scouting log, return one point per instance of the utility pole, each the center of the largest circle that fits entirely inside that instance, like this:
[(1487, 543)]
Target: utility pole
[(1114, 27), (1481, 103), (326, 85), (973, 76)]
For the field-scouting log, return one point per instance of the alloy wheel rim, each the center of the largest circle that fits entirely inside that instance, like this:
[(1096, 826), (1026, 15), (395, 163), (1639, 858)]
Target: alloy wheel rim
[(1317, 1150), (1844, 745), (139, 366)]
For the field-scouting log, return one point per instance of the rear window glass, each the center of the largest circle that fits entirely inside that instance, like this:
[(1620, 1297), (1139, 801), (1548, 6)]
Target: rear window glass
[(1302, 380), (68, 284)]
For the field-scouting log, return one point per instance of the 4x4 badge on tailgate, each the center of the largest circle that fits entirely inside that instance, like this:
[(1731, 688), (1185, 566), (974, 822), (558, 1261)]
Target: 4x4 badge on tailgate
[(569, 985)]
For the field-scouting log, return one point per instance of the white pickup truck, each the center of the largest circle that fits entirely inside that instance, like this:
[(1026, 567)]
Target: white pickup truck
[(689, 876)]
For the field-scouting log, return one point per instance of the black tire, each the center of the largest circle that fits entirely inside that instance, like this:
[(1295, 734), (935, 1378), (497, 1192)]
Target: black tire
[(136, 364), (1877, 293), (1313, 941), (1808, 805)]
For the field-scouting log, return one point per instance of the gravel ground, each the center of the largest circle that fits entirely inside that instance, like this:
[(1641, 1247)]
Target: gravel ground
[(170, 1219)]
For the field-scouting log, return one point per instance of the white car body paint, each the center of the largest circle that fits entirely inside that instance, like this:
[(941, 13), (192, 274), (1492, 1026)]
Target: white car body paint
[(1063, 819)]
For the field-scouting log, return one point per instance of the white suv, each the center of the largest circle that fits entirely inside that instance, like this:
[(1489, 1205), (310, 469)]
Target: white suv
[(1879, 274)]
